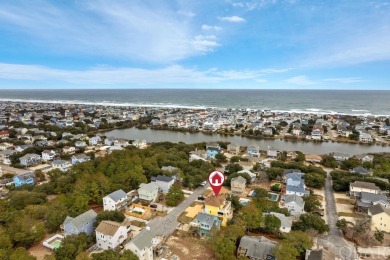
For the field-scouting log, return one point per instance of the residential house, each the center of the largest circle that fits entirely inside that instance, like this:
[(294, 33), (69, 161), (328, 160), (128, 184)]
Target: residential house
[(80, 144), (30, 159), (233, 149), (295, 185), (251, 174), (365, 200), (253, 150), (4, 146), (380, 218), (291, 155), (95, 140), (206, 222), (21, 148), (365, 138), (48, 155), (141, 144), (4, 134), (271, 152), (361, 170), (148, 192), (357, 187), (313, 158), (316, 133), (163, 182), (294, 204), (111, 234), (220, 207), (320, 254), (61, 165), (268, 131), (81, 224), (365, 158), (142, 245), (68, 150), (5, 156), (238, 185), (80, 158), (24, 179), (198, 155), (256, 248), (285, 222), (115, 200), (212, 150), (109, 141), (341, 156)]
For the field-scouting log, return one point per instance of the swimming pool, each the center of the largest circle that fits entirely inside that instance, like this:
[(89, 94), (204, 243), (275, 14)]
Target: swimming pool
[(273, 196), (56, 244)]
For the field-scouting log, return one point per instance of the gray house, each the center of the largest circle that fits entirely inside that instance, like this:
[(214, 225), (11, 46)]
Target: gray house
[(294, 204), (81, 224), (256, 248), (206, 222)]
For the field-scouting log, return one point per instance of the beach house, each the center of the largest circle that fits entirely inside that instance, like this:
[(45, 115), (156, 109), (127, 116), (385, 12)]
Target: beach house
[(81, 224), (148, 192), (205, 222), (115, 200), (163, 182), (256, 248), (219, 207), (111, 234), (142, 245), (238, 185), (24, 179)]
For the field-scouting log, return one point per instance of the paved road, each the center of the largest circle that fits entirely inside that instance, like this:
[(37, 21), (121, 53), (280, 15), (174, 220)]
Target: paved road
[(165, 226), (334, 239)]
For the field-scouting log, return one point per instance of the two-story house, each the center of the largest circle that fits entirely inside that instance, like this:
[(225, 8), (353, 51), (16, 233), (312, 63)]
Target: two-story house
[(80, 158), (95, 140), (148, 192), (61, 165), (205, 222), (24, 179), (111, 234), (380, 218), (30, 159), (253, 150), (294, 204), (142, 245), (212, 150), (48, 155), (163, 182), (256, 248), (295, 185), (233, 149), (81, 224), (357, 187), (68, 150), (115, 200), (220, 207), (368, 199), (5, 156), (238, 185)]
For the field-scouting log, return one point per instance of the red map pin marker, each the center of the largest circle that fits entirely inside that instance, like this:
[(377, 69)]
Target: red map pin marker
[(216, 179)]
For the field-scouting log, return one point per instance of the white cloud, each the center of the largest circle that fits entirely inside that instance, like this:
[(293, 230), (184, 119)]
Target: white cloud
[(232, 19), (344, 80), (205, 43), (112, 75), (301, 80), (120, 29), (206, 27)]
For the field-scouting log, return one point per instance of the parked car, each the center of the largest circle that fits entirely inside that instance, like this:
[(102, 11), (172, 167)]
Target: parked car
[(200, 198), (153, 206), (203, 183)]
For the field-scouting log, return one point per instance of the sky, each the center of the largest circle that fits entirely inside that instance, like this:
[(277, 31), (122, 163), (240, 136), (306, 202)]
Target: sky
[(212, 44)]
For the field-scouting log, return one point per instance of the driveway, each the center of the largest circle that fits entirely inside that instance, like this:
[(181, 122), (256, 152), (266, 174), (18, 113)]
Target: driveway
[(334, 239), (165, 226)]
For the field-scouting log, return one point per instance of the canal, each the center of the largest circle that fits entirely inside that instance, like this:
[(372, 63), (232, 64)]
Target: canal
[(306, 147)]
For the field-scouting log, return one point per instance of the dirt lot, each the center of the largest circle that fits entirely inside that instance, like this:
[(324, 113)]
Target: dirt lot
[(39, 251), (187, 247)]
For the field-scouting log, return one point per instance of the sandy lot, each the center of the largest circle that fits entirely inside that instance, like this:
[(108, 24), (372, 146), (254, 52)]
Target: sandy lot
[(189, 248), (39, 251)]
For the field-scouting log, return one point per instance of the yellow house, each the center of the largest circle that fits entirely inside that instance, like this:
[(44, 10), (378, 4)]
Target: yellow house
[(380, 218), (220, 207)]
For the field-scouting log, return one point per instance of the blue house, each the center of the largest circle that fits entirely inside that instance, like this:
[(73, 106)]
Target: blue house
[(81, 224), (206, 222), (253, 150), (212, 150), (25, 178), (80, 158)]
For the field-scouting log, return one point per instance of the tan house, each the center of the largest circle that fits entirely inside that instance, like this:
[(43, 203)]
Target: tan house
[(313, 158), (238, 185), (233, 149), (380, 218)]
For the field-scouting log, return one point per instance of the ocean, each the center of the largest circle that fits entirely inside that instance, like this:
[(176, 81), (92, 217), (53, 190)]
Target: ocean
[(352, 102)]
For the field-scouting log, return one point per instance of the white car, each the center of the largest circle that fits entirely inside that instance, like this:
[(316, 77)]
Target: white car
[(203, 183)]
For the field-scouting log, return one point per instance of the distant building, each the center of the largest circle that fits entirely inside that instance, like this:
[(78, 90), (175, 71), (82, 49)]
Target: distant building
[(80, 158), (212, 150), (30, 159), (233, 149), (24, 179), (253, 150), (341, 156), (61, 165), (357, 187), (238, 185), (163, 182)]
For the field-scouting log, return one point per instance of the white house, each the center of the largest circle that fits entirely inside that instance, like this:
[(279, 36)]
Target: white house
[(30, 159), (68, 150), (148, 192), (341, 156), (48, 155), (271, 152), (294, 204), (140, 144), (357, 187), (164, 182), (114, 200), (94, 140), (365, 138), (110, 234), (285, 222), (142, 245), (61, 164), (317, 133), (80, 144)]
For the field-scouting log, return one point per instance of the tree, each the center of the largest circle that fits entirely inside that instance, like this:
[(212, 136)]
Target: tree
[(251, 216), (293, 245), (21, 253), (309, 221), (112, 215), (174, 196), (220, 157), (232, 168), (271, 224), (329, 161), (342, 223), (56, 215), (223, 248), (379, 235), (234, 159), (315, 180), (21, 199), (311, 203), (73, 245), (260, 193), (113, 255)]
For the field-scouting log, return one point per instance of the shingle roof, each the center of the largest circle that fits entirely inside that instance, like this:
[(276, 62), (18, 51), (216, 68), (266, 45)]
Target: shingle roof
[(372, 197), (360, 170), (215, 201), (363, 184), (143, 239), (204, 217), (148, 186), (239, 179), (294, 198), (108, 228), (82, 219), (300, 189), (162, 178), (257, 247), (117, 195)]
